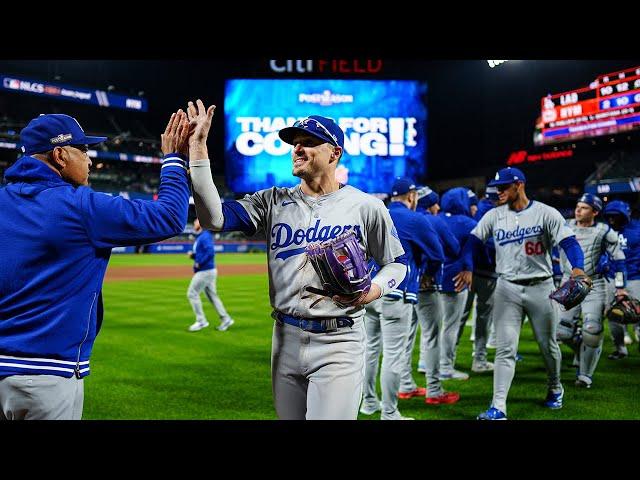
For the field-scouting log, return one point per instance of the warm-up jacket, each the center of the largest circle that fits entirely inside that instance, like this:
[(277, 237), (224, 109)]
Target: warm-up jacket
[(55, 243)]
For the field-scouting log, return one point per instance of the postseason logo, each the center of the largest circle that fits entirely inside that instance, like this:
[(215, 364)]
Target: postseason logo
[(370, 136)]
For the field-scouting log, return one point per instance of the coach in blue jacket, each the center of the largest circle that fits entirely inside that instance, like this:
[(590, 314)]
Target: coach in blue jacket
[(56, 236)]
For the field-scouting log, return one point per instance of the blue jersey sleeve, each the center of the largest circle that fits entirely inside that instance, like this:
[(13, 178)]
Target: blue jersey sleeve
[(116, 221), (236, 218), (427, 239)]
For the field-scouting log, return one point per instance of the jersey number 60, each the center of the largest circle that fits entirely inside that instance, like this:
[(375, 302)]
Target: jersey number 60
[(531, 248)]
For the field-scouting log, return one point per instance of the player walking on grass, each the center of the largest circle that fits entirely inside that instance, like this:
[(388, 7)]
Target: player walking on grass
[(204, 279), (524, 232)]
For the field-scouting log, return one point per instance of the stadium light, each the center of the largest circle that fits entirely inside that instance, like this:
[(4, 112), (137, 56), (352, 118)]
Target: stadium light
[(495, 63)]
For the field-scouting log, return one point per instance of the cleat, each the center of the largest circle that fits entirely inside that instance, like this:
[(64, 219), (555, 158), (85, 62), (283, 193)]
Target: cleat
[(479, 367), (198, 326), (370, 409), (492, 414), (444, 398), (225, 324), (454, 375), (617, 355), (418, 392), (554, 400)]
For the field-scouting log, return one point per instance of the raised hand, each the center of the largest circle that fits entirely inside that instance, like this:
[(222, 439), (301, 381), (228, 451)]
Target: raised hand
[(175, 136), (199, 125)]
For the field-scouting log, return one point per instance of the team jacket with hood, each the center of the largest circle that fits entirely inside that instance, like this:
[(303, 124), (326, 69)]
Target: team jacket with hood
[(55, 243)]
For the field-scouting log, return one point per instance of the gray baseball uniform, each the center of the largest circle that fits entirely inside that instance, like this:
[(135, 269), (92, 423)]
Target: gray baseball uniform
[(523, 242), (315, 375), (594, 241)]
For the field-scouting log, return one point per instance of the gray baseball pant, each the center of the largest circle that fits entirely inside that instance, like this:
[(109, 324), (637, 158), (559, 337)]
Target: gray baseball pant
[(429, 310), (407, 383), (484, 288), (452, 308), (394, 324), (41, 397), (205, 280), (510, 302), (317, 376), (373, 312)]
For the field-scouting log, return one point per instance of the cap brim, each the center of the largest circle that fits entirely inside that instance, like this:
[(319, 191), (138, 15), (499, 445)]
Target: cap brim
[(93, 140), (287, 134), (493, 183)]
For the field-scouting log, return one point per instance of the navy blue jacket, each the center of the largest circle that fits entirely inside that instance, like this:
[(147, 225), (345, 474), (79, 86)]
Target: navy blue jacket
[(455, 204), (450, 244), (629, 238), (55, 243), (203, 252), (421, 247)]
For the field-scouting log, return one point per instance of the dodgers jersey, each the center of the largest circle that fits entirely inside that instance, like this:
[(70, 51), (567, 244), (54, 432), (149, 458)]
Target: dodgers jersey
[(291, 219), (523, 239), (594, 241)]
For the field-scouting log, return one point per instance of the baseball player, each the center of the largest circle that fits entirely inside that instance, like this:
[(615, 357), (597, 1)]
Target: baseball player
[(484, 284), (56, 236), (317, 361), (429, 310), (422, 247), (595, 239), (618, 215), (427, 198), (204, 278), (524, 232), (455, 204)]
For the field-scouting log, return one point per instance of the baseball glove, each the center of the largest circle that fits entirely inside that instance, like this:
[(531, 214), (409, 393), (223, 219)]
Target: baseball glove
[(624, 309), (341, 265), (572, 292)]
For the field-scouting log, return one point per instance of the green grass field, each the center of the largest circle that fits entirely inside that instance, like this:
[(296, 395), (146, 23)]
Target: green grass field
[(146, 365)]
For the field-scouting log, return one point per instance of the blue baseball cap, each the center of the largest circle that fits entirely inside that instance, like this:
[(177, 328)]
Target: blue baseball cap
[(323, 128), (402, 185), (52, 130), (427, 197), (492, 194), (473, 198), (506, 176), (592, 200)]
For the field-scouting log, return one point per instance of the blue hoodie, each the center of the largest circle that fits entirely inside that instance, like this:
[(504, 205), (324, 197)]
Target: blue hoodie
[(457, 214), (203, 252), (421, 247), (629, 237), (55, 243)]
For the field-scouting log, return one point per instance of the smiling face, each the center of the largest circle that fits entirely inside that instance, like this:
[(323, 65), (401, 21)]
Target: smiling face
[(312, 156)]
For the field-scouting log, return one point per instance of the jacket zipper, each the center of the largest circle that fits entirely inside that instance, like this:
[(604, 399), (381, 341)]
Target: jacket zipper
[(86, 334)]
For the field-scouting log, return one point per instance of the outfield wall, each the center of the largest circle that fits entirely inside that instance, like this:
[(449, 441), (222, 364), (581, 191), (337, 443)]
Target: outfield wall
[(183, 247)]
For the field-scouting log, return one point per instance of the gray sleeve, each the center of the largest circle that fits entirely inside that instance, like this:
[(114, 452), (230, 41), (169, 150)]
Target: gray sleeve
[(205, 196), (557, 226), (613, 245), (389, 277), (382, 239), (484, 229)]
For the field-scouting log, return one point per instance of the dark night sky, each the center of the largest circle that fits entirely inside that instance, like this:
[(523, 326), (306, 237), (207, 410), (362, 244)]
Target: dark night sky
[(477, 115)]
